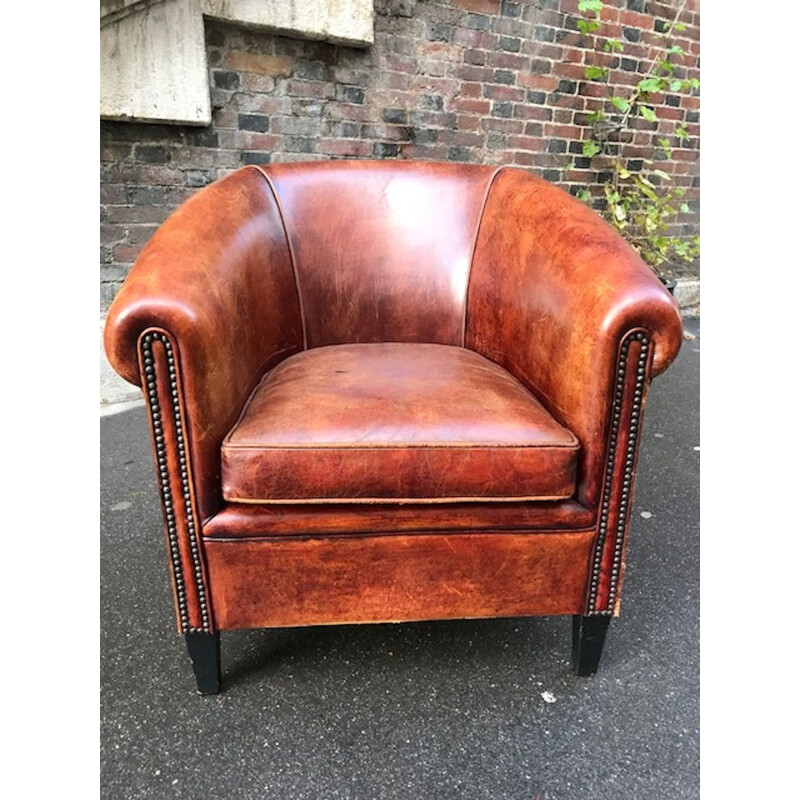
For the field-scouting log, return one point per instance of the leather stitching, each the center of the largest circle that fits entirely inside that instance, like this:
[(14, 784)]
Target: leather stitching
[(291, 251), (489, 185), (396, 500)]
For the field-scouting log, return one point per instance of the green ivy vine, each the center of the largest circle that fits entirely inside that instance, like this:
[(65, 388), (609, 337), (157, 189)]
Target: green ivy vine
[(639, 203)]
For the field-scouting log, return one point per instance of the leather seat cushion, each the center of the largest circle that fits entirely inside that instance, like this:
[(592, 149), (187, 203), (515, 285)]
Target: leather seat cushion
[(393, 421)]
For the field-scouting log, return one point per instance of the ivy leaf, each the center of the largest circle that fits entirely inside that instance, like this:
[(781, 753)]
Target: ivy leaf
[(681, 132), (623, 173), (619, 213), (650, 85), (595, 116), (694, 83), (620, 103), (667, 66), (590, 5), (646, 189), (589, 26), (679, 26), (590, 148), (660, 172), (685, 208), (676, 50), (595, 73), (674, 86), (613, 46), (584, 195), (648, 113)]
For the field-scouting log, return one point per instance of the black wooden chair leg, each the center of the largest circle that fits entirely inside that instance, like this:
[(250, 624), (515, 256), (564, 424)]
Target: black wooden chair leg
[(204, 653), (588, 636)]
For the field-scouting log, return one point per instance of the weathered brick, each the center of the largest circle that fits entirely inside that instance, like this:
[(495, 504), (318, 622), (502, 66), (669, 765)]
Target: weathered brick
[(478, 22), (311, 70), (509, 43), (459, 154), (502, 109), (303, 88), (112, 233), (504, 76), (513, 10), (246, 140), (124, 214), (257, 62), (248, 157), (140, 233), (495, 92), (299, 144), (475, 57), (533, 112), (384, 150), (252, 82), (151, 153), (253, 122), (147, 195), (472, 105), (225, 79), (424, 136), (126, 252), (435, 102), (350, 94), (481, 6), (439, 32), (113, 193), (345, 147), (397, 115)]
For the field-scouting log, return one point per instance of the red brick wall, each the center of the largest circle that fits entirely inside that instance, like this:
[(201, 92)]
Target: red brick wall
[(480, 81)]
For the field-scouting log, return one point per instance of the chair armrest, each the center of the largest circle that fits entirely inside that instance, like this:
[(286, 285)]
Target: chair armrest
[(554, 293), (215, 285)]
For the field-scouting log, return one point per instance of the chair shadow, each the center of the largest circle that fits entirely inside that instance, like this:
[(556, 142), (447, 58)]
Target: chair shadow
[(257, 653)]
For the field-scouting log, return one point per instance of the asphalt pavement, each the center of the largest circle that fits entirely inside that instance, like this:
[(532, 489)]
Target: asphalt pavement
[(483, 709)]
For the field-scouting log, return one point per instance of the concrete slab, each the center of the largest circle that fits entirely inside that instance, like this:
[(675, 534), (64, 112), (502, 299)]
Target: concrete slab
[(153, 52)]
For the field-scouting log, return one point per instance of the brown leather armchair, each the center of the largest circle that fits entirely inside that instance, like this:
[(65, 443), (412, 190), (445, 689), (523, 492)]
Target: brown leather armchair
[(389, 391)]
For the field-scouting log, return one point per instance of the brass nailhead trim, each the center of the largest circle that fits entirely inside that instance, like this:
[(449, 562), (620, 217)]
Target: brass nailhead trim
[(627, 477), (166, 491)]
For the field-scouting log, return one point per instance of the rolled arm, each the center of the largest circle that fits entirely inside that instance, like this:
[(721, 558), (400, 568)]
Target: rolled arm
[(216, 280), (554, 295)]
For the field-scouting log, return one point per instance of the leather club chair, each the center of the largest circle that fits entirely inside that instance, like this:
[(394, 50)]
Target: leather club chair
[(390, 391)]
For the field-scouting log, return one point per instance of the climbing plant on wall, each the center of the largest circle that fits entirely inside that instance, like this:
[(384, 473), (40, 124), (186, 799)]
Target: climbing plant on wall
[(641, 203)]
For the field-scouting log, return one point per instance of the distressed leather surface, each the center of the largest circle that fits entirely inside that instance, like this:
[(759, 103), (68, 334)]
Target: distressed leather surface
[(331, 580), (394, 421), (382, 249), (553, 290)]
